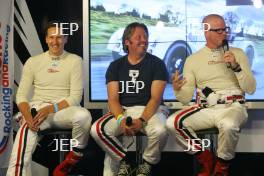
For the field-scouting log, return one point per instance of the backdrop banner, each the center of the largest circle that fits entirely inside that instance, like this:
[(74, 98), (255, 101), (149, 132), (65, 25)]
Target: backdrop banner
[(6, 80)]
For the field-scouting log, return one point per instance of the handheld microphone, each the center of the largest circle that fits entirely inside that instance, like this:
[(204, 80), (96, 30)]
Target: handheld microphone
[(225, 47), (34, 112), (129, 121)]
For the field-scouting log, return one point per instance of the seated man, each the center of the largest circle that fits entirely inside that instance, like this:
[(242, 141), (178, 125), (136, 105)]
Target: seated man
[(56, 76), (221, 78), (135, 85)]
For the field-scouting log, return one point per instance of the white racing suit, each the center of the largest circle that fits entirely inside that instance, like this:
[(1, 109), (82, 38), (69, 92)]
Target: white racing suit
[(228, 115), (105, 131), (225, 109), (74, 117)]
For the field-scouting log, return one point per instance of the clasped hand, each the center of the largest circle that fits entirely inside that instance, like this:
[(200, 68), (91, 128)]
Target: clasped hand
[(132, 129), (34, 122), (229, 57)]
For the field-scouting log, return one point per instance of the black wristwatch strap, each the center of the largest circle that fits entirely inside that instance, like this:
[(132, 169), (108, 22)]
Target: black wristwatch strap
[(237, 68), (143, 120), (144, 123)]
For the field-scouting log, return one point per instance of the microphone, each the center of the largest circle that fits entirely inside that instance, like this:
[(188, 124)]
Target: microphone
[(34, 112), (129, 121), (225, 47)]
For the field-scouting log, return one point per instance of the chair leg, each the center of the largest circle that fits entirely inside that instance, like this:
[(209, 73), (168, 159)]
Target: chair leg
[(139, 150)]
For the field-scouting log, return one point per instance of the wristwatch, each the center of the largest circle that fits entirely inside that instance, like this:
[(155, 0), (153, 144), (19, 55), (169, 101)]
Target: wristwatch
[(143, 121)]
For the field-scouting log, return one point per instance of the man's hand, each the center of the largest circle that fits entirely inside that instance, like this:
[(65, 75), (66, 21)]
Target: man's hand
[(42, 115), (133, 129), (30, 124), (127, 130), (178, 81), (137, 125), (229, 57)]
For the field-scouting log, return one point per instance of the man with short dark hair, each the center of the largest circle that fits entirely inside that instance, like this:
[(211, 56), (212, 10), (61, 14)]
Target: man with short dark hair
[(56, 77), (221, 77), (135, 85)]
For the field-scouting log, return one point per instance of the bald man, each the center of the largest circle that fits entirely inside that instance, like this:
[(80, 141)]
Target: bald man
[(221, 78)]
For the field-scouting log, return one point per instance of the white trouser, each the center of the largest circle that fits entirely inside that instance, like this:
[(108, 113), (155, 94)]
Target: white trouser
[(110, 166), (74, 117), (227, 118), (106, 130)]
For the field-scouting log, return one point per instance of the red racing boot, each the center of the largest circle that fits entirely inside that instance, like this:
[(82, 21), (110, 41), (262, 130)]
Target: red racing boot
[(206, 160), (221, 168), (65, 167)]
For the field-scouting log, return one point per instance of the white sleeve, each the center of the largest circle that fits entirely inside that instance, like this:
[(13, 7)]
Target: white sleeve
[(26, 82), (245, 77), (76, 83), (186, 93)]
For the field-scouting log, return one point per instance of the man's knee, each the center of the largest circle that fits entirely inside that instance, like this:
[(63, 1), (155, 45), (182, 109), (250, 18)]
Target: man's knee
[(159, 131), (97, 131), (228, 127), (82, 115), (94, 132), (171, 122)]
